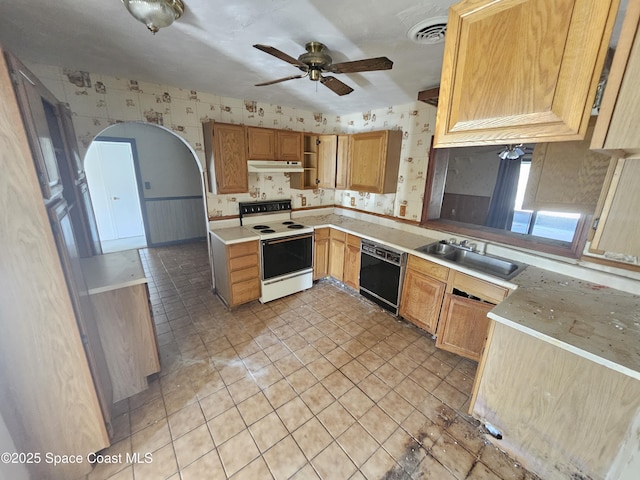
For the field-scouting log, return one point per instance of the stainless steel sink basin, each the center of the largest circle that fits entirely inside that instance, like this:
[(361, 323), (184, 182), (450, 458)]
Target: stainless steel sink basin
[(496, 266)]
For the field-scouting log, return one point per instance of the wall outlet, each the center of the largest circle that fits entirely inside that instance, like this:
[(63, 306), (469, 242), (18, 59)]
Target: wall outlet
[(304, 201), (403, 210), (147, 185), (353, 201)]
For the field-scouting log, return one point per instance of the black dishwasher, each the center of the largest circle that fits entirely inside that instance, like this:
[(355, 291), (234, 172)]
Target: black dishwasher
[(381, 274)]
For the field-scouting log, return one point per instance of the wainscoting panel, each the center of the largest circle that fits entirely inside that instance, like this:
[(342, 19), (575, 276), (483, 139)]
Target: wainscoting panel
[(174, 219)]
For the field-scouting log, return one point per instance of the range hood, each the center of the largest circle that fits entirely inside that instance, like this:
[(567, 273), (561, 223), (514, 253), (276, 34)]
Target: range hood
[(274, 166)]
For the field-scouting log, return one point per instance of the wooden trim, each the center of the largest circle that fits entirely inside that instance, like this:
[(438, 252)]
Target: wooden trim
[(429, 96), (212, 218), (158, 199), (610, 263)]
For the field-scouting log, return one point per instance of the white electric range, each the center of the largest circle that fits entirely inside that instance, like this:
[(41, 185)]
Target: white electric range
[(286, 248)]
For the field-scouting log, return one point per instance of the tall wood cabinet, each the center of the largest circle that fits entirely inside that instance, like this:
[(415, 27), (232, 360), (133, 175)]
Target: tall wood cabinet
[(226, 152), (351, 274), (321, 253), (374, 159), (337, 239), (536, 83), (48, 397)]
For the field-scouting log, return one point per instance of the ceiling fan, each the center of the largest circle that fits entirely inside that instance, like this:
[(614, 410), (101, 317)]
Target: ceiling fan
[(317, 61)]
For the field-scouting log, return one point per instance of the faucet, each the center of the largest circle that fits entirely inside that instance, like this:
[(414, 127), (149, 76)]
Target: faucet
[(466, 245)]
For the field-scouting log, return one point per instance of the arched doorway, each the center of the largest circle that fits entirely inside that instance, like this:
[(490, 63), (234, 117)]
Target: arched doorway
[(143, 175)]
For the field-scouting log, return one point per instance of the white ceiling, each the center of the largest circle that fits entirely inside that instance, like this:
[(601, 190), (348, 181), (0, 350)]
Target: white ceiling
[(210, 48)]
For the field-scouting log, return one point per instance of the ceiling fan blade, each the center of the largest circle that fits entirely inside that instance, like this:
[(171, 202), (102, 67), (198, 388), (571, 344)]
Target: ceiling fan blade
[(281, 55), (336, 85), (280, 80), (367, 65)]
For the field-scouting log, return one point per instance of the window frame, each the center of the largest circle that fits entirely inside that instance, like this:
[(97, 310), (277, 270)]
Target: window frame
[(432, 205)]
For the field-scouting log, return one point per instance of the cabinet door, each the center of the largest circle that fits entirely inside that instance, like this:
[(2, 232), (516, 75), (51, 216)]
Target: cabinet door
[(617, 126), (227, 157), (289, 146), (463, 326), (566, 176), (618, 230), (327, 152), (535, 85), (261, 143), (342, 162), (421, 299), (336, 254), (352, 262), (321, 254), (367, 153), (37, 111)]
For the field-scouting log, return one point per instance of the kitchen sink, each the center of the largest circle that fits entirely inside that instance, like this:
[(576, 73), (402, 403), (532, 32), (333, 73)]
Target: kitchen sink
[(463, 256)]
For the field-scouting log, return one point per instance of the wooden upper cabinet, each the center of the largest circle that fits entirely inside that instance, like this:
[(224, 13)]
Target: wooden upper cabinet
[(566, 176), (342, 162), (226, 152), (521, 70), (327, 152), (374, 161), (617, 127), (261, 143), (288, 145)]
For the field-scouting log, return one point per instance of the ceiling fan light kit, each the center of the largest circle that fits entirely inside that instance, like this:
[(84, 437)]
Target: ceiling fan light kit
[(317, 61), (155, 14)]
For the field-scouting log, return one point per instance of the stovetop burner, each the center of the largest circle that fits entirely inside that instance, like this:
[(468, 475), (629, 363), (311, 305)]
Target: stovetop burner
[(261, 227), (287, 223), (267, 230), (295, 226)]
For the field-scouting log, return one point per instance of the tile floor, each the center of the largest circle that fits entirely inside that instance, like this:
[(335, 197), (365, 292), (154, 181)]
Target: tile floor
[(321, 384)]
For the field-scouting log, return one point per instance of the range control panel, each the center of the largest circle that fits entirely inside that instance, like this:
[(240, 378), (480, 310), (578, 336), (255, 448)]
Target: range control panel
[(268, 206)]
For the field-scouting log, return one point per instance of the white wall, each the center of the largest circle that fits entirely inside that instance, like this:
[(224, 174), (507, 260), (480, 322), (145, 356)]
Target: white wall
[(165, 162)]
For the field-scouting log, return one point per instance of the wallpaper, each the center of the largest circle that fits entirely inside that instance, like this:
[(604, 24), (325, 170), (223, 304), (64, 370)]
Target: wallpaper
[(99, 101)]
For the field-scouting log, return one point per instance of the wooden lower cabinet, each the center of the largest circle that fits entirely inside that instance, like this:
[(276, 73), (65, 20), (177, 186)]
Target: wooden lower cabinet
[(337, 240), (351, 272), (321, 253), (421, 299), (463, 326), (236, 271)]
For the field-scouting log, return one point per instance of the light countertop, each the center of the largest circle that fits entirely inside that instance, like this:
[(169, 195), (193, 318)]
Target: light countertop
[(111, 271), (590, 320)]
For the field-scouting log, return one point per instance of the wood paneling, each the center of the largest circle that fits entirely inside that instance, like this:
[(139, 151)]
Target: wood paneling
[(47, 397), (175, 219), (532, 391), (537, 85), (465, 208)]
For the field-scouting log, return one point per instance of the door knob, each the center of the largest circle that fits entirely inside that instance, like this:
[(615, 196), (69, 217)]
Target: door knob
[(116, 198)]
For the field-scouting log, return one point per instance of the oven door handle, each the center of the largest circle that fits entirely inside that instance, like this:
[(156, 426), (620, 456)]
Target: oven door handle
[(287, 239)]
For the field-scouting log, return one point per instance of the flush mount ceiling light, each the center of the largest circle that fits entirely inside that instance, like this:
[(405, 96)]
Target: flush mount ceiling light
[(155, 14), (512, 152)]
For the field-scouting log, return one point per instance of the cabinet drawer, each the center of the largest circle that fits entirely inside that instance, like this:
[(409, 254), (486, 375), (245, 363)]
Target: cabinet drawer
[(322, 233), (338, 235), (240, 263), (428, 268), (240, 249), (353, 241), (245, 291), (245, 274), (479, 288)]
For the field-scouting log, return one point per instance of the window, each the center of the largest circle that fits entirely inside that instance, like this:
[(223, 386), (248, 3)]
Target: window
[(458, 193)]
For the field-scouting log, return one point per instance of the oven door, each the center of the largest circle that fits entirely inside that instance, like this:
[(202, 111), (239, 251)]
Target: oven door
[(285, 255)]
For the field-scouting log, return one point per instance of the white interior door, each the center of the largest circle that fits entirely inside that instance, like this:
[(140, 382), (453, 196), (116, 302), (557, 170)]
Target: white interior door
[(112, 182)]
